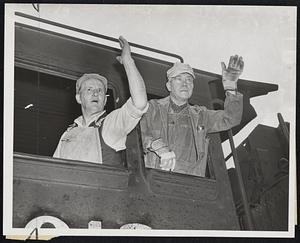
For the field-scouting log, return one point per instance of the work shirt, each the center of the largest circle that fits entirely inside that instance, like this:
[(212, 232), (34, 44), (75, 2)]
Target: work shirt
[(180, 138), (186, 133), (86, 142)]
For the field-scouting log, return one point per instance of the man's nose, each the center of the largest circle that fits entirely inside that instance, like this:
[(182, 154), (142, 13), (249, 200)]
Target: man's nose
[(96, 92), (185, 82)]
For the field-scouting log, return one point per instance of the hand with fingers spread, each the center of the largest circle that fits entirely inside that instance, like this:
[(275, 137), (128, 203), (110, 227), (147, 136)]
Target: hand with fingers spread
[(168, 161), (126, 53), (231, 74)]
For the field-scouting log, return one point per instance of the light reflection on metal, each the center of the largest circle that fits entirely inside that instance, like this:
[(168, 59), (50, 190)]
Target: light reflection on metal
[(28, 106)]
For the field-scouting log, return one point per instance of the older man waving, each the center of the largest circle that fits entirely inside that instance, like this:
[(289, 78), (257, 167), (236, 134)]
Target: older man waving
[(95, 136), (174, 132)]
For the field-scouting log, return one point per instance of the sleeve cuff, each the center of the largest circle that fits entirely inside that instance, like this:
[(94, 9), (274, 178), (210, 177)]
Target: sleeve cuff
[(133, 111), (232, 94)]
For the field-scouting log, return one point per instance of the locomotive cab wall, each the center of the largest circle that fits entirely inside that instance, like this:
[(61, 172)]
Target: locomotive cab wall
[(46, 67)]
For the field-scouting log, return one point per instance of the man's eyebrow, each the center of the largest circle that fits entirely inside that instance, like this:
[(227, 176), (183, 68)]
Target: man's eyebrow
[(101, 88)]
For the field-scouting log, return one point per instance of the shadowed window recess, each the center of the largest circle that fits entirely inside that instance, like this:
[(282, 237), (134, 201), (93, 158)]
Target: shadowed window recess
[(44, 106)]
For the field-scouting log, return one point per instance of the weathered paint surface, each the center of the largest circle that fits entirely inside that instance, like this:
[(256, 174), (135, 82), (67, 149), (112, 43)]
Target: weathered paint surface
[(78, 192), (264, 160)]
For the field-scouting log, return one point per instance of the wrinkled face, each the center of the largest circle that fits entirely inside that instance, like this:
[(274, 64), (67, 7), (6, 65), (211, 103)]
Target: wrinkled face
[(181, 87), (92, 96)]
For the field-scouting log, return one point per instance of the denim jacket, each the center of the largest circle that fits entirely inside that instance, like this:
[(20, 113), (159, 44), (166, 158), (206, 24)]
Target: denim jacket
[(203, 121)]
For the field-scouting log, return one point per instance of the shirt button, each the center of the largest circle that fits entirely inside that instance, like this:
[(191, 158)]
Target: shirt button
[(200, 128)]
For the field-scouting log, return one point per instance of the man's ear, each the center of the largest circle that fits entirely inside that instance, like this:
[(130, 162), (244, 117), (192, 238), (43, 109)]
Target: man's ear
[(77, 96), (168, 86)]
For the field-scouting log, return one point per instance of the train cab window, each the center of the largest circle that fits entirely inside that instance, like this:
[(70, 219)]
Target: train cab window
[(44, 106)]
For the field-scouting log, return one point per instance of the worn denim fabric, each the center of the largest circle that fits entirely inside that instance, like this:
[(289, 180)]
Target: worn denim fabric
[(154, 125)]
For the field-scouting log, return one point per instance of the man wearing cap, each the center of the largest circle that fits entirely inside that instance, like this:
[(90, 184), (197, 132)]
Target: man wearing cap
[(175, 133), (95, 136)]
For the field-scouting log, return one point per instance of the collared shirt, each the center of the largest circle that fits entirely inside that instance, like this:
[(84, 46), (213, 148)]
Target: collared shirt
[(116, 126), (79, 120)]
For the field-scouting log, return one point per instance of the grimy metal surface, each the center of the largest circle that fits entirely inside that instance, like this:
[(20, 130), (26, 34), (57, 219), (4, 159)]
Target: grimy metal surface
[(78, 192), (265, 171)]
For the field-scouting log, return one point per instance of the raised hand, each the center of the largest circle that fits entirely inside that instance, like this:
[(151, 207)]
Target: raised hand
[(126, 53), (231, 74)]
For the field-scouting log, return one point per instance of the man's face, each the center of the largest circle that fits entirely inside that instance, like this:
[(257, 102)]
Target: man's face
[(92, 96), (181, 87)]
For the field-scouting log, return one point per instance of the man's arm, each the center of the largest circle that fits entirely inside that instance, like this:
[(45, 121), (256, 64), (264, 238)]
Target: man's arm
[(221, 120), (155, 144), (136, 83), (233, 107), (120, 122)]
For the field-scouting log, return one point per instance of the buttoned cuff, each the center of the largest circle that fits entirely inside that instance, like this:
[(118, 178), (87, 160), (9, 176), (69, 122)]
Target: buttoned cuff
[(237, 94), (133, 111)]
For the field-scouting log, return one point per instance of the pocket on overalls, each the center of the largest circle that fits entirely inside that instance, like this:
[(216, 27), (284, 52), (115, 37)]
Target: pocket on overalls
[(203, 142), (201, 137), (68, 142)]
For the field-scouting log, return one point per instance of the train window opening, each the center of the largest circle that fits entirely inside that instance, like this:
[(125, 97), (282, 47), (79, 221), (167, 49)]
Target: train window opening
[(44, 107)]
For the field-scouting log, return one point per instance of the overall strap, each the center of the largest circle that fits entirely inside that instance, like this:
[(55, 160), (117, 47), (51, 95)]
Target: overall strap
[(194, 131), (97, 123), (109, 155), (163, 111)]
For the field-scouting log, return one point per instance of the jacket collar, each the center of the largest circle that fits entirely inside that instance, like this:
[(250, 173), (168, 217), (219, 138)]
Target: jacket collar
[(164, 103)]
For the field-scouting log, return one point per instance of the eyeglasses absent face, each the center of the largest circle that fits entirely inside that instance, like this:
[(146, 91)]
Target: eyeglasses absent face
[(92, 96)]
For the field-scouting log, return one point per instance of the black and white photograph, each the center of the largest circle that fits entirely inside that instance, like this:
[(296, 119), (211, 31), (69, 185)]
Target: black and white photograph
[(149, 120)]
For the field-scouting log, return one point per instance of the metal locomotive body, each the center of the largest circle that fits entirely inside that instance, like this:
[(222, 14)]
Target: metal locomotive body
[(76, 192)]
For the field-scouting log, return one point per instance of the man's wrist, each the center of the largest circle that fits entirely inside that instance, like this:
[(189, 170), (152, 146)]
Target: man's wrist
[(127, 60), (229, 85), (231, 91)]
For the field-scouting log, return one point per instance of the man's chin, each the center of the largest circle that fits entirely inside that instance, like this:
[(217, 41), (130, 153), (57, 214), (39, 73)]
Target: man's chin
[(185, 97), (185, 93), (94, 110)]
